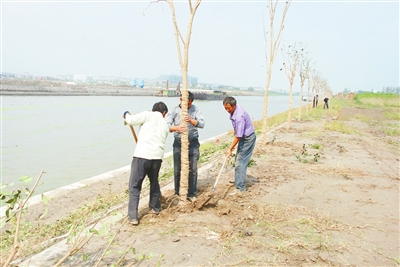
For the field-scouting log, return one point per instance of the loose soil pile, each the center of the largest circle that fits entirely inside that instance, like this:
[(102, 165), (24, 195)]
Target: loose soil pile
[(314, 197)]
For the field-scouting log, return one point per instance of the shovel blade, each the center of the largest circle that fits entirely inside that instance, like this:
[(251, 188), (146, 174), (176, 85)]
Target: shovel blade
[(201, 203)]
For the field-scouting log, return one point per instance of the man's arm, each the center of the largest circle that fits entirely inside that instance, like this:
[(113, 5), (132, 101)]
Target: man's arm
[(197, 120), (234, 143), (177, 128), (171, 120)]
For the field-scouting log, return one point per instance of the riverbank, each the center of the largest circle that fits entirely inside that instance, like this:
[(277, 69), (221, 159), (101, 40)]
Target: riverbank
[(46, 88), (323, 192)]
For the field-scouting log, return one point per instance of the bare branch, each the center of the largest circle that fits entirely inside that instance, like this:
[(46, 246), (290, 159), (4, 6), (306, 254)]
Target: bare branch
[(273, 48), (16, 244), (177, 33)]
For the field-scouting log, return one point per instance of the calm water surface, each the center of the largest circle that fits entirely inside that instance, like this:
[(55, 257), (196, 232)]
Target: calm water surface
[(77, 137)]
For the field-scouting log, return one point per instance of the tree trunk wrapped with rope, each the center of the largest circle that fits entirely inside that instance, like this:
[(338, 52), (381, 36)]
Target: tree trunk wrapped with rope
[(184, 63)]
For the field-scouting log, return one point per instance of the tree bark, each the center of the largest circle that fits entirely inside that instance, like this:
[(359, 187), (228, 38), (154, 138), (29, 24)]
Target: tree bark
[(273, 48), (184, 63)]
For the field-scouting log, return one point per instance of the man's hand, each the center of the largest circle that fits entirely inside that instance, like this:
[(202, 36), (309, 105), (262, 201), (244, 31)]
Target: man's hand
[(124, 115), (126, 112), (187, 118), (180, 129), (228, 153)]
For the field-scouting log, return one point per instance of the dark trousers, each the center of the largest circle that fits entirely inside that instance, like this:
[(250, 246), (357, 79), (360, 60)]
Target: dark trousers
[(139, 169), (326, 105), (194, 155)]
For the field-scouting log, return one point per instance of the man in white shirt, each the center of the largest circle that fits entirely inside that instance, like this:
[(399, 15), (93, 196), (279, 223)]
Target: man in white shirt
[(147, 157)]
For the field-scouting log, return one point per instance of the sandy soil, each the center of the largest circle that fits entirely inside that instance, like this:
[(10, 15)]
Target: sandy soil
[(340, 210)]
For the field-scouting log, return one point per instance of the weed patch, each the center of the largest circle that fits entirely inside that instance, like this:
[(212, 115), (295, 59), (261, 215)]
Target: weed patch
[(339, 126)]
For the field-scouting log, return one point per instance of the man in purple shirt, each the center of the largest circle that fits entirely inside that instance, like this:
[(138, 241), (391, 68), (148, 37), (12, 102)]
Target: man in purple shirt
[(245, 138)]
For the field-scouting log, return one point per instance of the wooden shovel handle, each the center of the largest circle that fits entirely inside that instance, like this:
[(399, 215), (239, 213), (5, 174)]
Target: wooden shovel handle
[(133, 133), (220, 171)]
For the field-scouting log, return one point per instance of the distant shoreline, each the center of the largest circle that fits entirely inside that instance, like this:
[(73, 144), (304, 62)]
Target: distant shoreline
[(36, 88), (60, 93), (74, 90)]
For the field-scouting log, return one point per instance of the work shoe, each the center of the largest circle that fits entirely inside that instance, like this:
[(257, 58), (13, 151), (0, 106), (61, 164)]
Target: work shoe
[(236, 192), (191, 199), (232, 181), (133, 222), (154, 211)]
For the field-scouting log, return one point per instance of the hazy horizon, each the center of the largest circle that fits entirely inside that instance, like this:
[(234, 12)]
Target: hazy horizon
[(355, 44)]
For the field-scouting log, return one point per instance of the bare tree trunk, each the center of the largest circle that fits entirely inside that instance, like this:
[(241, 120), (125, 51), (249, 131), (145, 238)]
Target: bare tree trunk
[(291, 58), (184, 139), (308, 94), (265, 110), (184, 63), (304, 74), (301, 100), (273, 48), (290, 104)]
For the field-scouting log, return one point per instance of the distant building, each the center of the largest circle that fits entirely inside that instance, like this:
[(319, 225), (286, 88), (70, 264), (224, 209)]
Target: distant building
[(177, 79), (82, 78)]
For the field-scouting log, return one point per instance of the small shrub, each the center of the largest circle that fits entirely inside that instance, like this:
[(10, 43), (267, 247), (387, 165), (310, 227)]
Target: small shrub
[(305, 157)]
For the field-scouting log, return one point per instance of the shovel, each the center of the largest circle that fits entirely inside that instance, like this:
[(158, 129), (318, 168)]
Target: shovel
[(210, 196), (216, 181), (133, 131)]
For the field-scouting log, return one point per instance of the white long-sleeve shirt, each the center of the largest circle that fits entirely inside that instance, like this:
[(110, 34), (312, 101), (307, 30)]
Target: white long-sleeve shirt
[(152, 134)]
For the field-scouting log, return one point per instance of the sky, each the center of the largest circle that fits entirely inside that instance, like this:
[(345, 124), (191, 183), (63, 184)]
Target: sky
[(352, 44)]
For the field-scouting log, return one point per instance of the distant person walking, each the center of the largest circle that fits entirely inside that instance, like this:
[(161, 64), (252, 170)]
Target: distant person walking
[(245, 139), (326, 103), (316, 101), (195, 120), (147, 157)]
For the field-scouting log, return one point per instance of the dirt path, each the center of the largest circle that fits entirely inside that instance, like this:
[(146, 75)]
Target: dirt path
[(315, 197)]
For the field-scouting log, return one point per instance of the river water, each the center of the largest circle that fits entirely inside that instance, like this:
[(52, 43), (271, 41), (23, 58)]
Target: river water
[(77, 137)]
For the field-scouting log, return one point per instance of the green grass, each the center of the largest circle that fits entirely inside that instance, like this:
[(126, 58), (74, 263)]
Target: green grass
[(313, 133), (34, 233), (393, 114), (316, 146), (378, 100), (208, 150), (339, 126), (392, 130)]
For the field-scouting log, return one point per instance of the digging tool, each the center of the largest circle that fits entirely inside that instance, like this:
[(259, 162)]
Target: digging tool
[(133, 131), (209, 196), (220, 171)]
